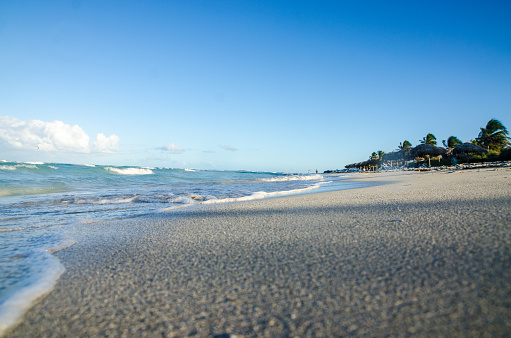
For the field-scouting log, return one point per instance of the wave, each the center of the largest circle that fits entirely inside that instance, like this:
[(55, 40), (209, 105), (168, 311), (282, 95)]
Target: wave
[(18, 166), (261, 194), (8, 167), (130, 171), (155, 198), (19, 191), (288, 178), (46, 270), (184, 200), (99, 200)]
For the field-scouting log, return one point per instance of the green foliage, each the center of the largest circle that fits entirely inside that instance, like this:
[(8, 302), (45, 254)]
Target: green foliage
[(429, 139), (492, 153), (451, 142), (494, 136), (405, 145)]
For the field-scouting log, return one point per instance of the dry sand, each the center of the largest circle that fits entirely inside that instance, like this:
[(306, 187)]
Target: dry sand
[(427, 255)]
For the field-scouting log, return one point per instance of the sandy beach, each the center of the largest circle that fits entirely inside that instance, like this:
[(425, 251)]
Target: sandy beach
[(426, 254)]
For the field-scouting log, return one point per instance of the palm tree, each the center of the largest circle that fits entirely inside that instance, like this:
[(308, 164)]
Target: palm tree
[(494, 136), (451, 142), (381, 153), (429, 139), (405, 145)]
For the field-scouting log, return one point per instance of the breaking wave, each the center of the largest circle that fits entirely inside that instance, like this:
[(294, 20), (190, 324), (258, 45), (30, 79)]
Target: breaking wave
[(130, 171), (288, 178)]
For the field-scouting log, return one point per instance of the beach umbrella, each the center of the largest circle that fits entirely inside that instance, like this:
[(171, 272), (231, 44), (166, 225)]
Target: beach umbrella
[(365, 164), (401, 155), (467, 148), (393, 156), (423, 150)]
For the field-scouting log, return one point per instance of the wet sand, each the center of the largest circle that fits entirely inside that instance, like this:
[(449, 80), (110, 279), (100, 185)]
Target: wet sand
[(427, 254)]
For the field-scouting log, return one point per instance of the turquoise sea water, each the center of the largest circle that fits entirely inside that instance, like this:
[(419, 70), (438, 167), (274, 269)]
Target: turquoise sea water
[(39, 200)]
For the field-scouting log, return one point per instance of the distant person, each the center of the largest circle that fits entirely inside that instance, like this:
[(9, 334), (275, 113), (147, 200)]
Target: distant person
[(316, 171)]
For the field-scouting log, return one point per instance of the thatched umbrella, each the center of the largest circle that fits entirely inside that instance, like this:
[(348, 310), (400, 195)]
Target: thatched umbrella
[(468, 148), (363, 164), (398, 156), (374, 162), (428, 150), (393, 156), (367, 164)]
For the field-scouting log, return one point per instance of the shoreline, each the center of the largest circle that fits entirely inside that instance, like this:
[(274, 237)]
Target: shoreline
[(428, 254)]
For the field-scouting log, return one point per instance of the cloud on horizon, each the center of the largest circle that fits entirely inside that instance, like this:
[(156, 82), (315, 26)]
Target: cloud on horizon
[(172, 148), (229, 148), (105, 144), (54, 136)]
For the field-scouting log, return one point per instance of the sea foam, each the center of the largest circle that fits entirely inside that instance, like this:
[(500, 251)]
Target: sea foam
[(40, 201), (288, 178), (130, 171), (42, 281), (18, 166)]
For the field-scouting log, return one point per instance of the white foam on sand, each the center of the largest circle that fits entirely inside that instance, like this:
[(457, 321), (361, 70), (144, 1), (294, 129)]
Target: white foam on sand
[(39, 284), (262, 194)]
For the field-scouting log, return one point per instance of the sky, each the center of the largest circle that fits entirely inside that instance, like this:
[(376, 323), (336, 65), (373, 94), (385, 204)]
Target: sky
[(246, 85)]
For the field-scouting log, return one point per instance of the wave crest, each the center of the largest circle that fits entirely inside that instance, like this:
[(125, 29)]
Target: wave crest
[(16, 166), (293, 178), (130, 171)]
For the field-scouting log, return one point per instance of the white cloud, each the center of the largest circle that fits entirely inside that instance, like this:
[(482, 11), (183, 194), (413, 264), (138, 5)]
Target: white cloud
[(50, 136), (172, 148), (228, 147), (105, 144)]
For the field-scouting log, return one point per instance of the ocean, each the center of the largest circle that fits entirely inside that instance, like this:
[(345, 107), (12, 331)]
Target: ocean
[(38, 201)]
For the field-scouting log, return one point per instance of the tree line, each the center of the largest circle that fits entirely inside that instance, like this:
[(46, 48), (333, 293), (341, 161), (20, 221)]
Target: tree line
[(493, 138)]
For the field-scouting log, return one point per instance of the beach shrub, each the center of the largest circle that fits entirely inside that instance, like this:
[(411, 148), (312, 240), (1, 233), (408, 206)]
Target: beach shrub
[(491, 156)]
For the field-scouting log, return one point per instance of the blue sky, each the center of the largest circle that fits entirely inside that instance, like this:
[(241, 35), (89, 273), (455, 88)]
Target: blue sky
[(255, 85)]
